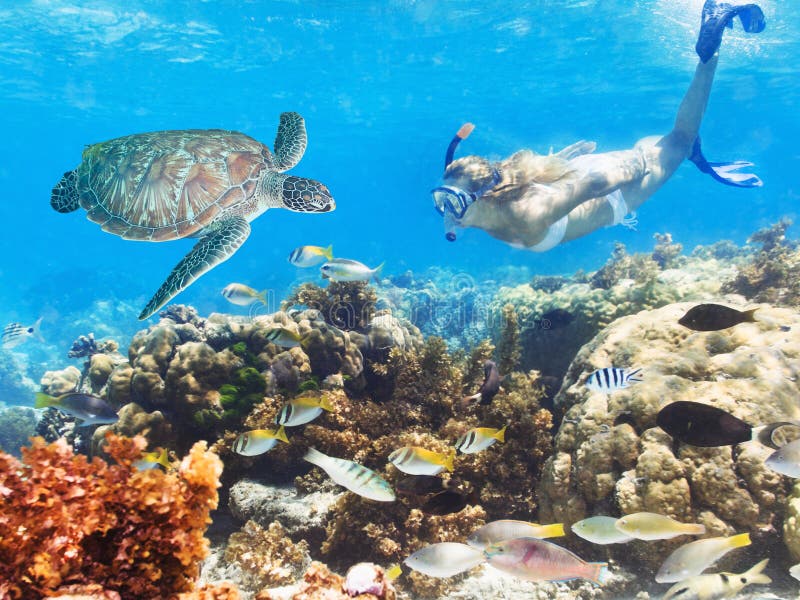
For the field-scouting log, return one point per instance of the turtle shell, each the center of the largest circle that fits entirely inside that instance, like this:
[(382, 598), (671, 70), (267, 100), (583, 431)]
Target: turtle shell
[(166, 185)]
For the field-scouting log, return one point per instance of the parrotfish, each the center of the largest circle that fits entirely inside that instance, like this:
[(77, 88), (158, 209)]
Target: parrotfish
[(490, 386), (600, 530), (444, 559), (310, 256), (714, 317), (16, 333), (479, 438), (243, 295), (611, 379), (708, 426), (419, 461), (302, 410), (286, 338), (258, 441), (151, 460), (695, 557), (353, 476), (344, 269), (717, 585), (533, 559), (651, 526), (91, 410), (508, 529)]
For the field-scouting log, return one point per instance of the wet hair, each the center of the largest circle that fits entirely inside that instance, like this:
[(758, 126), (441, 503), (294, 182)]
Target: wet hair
[(518, 172)]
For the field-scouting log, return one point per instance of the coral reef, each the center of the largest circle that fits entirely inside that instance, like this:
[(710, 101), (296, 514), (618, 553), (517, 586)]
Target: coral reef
[(346, 305), (319, 583), (17, 425), (136, 533), (15, 386), (610, 457), (666, 253), (771, 274), (509, 350)]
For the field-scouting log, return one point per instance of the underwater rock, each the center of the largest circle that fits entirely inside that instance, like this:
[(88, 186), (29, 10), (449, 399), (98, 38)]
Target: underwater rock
[(607, 464), (134, 420), (60, 382)]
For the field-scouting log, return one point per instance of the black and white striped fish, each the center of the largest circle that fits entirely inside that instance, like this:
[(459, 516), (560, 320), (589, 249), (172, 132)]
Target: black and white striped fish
[(611, 379), (16, 333)]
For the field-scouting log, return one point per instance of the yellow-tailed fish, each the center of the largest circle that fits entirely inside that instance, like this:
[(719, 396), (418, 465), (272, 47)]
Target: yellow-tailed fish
[(302, 410), (243, 295), (533, 559), (286, 338), (393, 572), (16, 333), (150, 460), (344, 269), (444, 559), (695, 557), (600, 530), (91, 410), (310, 256), (651, 526), (717, 585), (419, 461), (480, 438), (355, 477), (258, 441), (508, 529)]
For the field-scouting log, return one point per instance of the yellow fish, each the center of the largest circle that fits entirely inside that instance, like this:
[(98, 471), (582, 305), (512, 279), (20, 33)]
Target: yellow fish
[(243, 295), (310, 256), (302, 410), (650, 526), (419, 461), (480, 438), (258, 441), (150, 460), (695, 557), (509, 529)]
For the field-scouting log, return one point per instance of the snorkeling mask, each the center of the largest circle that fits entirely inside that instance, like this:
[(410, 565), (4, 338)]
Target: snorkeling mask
[(451, 201)]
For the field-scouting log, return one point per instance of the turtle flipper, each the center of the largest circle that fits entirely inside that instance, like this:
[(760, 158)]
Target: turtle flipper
[(64, 197), (215, 247), (290, 142)]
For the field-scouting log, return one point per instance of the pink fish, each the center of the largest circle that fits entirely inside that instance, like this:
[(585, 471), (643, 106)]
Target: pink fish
[(537, 560)]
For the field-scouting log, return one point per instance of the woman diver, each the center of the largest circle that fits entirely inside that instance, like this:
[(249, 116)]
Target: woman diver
[(536, 202)]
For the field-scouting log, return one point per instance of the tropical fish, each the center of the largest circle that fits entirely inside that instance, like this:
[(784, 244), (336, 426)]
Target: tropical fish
[(480, 438), (91, 410), (714, 317), (302, 410), (444, 559), (651, 526), (490, 386), (695, 557), (353, 476), (419, 461), (794, 571), (786, 460), (243, 295), (508, 529), (557, 318), (611, 379), (533, 559), (280, 336), (310, 256), (15, 333), (717, 585), (151, 460), (600, 530), (421, 485), (708, 426), (447, 502), (344, 269), (258, 441)]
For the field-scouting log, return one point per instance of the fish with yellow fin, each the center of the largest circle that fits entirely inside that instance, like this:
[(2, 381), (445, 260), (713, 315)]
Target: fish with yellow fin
[(258, 441), (695, 557), (243, 295), (509, 529), (91, 410), (310, 256), (151, 460), (480, 438), (717, 585), (303, 409), (420, 461), (651, 526)]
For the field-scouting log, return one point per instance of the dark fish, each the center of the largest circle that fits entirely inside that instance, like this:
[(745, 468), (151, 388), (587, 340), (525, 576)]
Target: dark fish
[(445, 503), (556, 318), (490, 386), (708, 426), (714, 317), (90, 409), (419, 485)]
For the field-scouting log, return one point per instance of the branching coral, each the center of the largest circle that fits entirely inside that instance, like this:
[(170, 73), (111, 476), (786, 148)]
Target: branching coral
[(67, 521), (639, 267)]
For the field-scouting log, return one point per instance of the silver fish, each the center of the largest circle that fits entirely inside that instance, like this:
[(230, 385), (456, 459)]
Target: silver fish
[(15, 333), (611, 379), (717, 585), (355, 477), (344, 269), (444, 559)]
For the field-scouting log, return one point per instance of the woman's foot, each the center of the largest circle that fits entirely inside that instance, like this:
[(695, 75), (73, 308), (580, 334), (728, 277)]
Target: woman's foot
[(719, 15)]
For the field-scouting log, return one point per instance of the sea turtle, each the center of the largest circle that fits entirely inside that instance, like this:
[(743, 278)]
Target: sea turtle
[(204, 183)]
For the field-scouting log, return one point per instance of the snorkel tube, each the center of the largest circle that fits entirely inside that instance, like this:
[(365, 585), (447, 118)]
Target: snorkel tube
[(462, 134)]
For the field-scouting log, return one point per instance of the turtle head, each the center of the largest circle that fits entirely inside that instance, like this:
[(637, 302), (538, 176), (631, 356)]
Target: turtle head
[(306, 195)]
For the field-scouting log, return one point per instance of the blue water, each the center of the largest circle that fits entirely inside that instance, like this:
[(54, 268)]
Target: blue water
[(383, 86)]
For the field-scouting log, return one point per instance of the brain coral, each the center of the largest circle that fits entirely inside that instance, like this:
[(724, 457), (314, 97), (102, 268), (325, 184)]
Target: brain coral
[(611, 458)]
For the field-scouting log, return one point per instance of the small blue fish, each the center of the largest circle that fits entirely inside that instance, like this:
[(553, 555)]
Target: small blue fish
[(611, 379), (16, 333)]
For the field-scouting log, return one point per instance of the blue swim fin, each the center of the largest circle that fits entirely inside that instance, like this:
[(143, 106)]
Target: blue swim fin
[(719, 15), (725, 172)]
